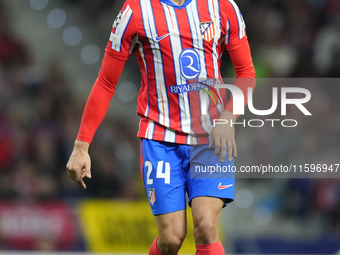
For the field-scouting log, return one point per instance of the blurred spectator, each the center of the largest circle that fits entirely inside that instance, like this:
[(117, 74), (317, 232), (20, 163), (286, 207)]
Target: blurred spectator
[(13, 52), (327, 47)]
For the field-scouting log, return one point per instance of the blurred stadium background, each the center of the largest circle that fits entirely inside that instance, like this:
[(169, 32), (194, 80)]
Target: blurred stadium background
[(50, 54)]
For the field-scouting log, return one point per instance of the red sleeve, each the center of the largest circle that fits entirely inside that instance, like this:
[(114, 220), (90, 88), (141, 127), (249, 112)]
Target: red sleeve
[(121, 42), (238, 47), (245, 71), (100, 97)]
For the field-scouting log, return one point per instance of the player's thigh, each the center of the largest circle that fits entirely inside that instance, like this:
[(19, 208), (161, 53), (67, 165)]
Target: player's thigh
[(163, 176), (172, 227), (208, 208)]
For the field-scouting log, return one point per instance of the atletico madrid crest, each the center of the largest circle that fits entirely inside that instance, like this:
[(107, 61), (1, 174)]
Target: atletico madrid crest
[(152, 196), (207, 30)]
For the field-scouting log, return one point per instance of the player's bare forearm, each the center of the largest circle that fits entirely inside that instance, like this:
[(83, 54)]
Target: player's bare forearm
[(79, 164), (223, 137)]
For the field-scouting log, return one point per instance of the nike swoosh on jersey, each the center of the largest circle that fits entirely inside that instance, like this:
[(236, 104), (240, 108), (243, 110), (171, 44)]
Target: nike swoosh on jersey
[(162, 37), (220, 186)]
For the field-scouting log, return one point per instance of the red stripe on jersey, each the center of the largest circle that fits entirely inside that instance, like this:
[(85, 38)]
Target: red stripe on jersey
[(181, 138), (141, 158), (203, 140), (184, 28), (158, 133)]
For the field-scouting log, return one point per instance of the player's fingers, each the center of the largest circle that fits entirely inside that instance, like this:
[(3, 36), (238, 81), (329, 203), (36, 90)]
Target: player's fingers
[(223, 150), (230, 150), (211, 141), (77, 176), (234, 148), (88, 173), (82, 184), (217, 147), (73, 176), (82, 174)]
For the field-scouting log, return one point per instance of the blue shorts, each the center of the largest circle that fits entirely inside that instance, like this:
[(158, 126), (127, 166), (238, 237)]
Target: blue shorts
[(166, 169)]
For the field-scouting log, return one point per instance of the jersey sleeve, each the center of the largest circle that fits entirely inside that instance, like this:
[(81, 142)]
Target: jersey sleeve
[(122, 39), (123, 35), (99, 99), (238, 47), (235, 27), (245, 72)]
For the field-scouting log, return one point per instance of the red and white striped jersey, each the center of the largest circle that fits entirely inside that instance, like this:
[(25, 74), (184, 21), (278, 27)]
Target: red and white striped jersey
[(175, 46)]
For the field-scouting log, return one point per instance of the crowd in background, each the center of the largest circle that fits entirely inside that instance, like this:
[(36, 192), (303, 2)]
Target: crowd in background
[(40, 116), (39, 121)]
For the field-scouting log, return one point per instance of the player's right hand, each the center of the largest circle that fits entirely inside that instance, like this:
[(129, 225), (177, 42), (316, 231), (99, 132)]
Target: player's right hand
[(79, 164)]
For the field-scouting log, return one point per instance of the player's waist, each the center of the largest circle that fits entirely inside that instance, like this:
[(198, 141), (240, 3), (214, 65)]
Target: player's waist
[(153, 130)]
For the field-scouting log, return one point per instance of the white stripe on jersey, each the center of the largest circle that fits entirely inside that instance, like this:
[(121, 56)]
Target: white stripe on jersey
[(150, 129), (191, 140), (214, 10), (176, 46), (117, 37), (170, 135), (241, 23), (198, 43), (151, 33), (141, 51)]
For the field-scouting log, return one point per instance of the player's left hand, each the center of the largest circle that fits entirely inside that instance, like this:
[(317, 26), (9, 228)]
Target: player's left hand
[(223, 137)]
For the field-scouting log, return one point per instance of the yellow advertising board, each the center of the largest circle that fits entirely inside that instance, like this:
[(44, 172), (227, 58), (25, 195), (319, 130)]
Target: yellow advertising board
[(119, 226)]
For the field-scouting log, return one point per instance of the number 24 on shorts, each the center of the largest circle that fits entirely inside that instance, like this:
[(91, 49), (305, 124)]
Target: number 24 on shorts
[(159, 172)]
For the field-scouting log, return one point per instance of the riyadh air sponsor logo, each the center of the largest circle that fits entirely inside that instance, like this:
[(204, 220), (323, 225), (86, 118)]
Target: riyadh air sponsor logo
[(190, 64), (194, 86)]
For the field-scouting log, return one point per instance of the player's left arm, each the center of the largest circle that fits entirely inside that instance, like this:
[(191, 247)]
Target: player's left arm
[(223, 136)]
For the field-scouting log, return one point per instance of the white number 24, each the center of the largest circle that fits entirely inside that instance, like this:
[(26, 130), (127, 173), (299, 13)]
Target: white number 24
[(159, 174)]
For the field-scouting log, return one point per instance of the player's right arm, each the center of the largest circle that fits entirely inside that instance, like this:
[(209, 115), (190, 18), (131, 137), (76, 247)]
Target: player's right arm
[(79, 164), (116, 54)]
